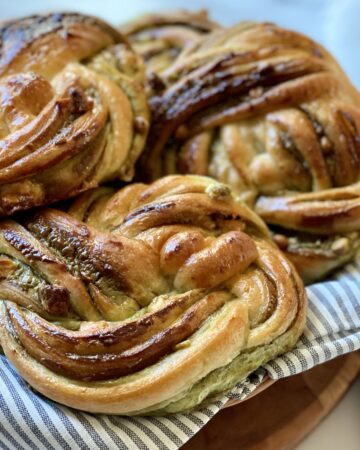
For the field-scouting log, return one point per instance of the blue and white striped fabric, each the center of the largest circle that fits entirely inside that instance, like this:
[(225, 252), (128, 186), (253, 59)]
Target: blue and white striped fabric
[(29, 421)]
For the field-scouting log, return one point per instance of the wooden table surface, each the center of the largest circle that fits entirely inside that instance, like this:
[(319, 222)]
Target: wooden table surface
[(282, 415)]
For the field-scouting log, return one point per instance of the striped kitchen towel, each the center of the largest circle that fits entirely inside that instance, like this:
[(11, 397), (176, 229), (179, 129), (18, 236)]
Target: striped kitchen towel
[(29, 421)]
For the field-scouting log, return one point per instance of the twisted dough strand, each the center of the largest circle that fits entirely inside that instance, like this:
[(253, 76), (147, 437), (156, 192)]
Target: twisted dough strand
[(270, 113), (73, 109), (162, 38), (134, 301)]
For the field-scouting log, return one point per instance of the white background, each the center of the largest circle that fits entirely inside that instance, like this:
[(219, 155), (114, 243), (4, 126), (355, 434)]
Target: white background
[(335, 24)]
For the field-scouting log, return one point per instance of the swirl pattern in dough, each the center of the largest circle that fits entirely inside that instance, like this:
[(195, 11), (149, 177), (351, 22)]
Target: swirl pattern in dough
[(161, 38), (269, 112), (73, 109), (151, 299)]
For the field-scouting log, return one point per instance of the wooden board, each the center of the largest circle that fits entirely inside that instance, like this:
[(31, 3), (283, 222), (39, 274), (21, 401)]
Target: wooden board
[(279, 417)]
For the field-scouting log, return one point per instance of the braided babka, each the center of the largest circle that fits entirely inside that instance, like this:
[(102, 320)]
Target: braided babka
[(270, 113), (73, 109), (151, 299)]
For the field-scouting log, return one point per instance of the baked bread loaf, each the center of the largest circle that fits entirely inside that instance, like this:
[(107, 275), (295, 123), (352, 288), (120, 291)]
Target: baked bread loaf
[(152, 299), (73, 109), (270, 113), (163, 37)]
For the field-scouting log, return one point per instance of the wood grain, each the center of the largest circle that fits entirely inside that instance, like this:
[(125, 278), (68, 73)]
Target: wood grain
[(279, 417)]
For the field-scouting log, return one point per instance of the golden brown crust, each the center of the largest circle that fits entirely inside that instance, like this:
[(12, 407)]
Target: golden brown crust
[(321, 228), (269, 112), (18, 36), (73, 110), (325, 212), (138, 294), (161, 38)]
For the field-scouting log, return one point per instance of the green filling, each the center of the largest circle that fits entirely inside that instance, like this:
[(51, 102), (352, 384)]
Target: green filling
[(223, 379)]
